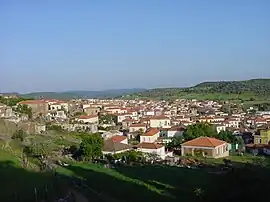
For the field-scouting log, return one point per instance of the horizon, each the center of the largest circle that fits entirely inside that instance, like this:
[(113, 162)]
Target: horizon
[(115, 89), (96, 46)]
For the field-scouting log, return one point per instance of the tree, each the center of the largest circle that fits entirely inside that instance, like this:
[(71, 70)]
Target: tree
[(19, 135), (24, 109), (176, 142), (227, 136), (198, 130), (107, 119), (38, 150), (91, 146)]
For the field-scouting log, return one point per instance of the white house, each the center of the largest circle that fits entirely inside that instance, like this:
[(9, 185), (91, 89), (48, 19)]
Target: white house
[(137, 127), (175, 131), (122, 117), (150, 136), (220, 128), (152, 148), (160, 122), (88, 119), (120, 139)]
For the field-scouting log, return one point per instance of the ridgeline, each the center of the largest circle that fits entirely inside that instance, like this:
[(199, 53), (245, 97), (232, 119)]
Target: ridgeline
[(248, 90)]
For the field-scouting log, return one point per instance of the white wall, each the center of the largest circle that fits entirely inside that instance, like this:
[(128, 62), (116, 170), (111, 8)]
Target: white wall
[(160, 123), (149, 138), (160, 152), (174, 133)]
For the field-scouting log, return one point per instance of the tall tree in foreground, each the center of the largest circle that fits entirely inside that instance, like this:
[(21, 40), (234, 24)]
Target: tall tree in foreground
[(91, 147)]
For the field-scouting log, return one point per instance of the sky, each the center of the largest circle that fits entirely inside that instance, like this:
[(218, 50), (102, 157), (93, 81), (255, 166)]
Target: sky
[(103, 44)]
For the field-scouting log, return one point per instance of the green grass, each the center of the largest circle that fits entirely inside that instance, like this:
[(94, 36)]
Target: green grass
[(154, 183)]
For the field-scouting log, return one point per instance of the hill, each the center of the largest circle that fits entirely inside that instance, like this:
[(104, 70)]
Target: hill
[(254, 89), (83, 94)]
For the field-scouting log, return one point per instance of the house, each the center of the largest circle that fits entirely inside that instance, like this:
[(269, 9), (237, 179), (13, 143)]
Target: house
[(120, 139), (160, 122), (258, 149), (126, 123), (263, 137), (91, 110), (206, 146), (37, 106), (152, 148), (175, 131), (150, 136), (93, 119), (54, 105), (137, 127), (122, 117), (113, 147), (110, 134), (220, 127)]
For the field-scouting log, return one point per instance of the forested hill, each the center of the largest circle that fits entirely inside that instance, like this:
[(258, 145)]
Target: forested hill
[(248, 89)]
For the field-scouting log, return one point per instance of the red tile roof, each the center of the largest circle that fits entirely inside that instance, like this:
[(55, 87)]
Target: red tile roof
[(32, 102), (151, 132), (148, 145), (204, 142), (118, 138), (87, 117)]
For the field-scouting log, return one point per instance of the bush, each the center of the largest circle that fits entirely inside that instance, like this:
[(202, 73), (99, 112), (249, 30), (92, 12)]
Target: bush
[(19, 135)]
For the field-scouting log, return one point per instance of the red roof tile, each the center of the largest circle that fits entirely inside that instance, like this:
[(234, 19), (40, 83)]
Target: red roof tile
[(148, 145), (118, 138), (151, 132), (87, 117), (204, 142)]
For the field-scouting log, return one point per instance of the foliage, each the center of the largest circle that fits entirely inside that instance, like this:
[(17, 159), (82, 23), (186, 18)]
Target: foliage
[(12, 101), (24, 109), (175, 142), (107, 119), (199, 129), (227, 136), (19, 135), (91, 146), (80, 114), (241, 90), (54, 127), (37, 150)]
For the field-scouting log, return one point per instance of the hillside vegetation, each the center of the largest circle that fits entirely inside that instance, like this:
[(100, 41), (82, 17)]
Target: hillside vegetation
[(255, 89)]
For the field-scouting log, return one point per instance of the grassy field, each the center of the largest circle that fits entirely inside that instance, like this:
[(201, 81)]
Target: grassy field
[(123, 183)]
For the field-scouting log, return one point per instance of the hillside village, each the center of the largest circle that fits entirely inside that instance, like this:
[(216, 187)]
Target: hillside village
[(148, 126)]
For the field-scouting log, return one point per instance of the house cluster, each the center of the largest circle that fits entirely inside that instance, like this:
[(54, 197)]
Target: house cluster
[(153, 123)]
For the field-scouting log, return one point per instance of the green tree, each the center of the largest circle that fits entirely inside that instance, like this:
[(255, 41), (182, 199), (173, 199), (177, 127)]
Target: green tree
[(176, 142), (91, 146), (19, 135), (198, 130), (24, 109), (107, 119), (227, 136)]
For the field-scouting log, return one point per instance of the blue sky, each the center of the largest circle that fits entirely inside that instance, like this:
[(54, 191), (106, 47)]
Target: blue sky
[(94, 45)]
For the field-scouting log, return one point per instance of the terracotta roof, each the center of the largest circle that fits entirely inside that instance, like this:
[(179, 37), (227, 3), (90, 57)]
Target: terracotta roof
[(111, 146), (118, 138), (149, 145), (204, 142), (151, 132), (32, 102), (87, 117), (176, 128)]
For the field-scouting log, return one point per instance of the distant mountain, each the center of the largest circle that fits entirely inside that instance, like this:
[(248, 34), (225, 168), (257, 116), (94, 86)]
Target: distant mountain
[(83, 94), (248, 89)]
